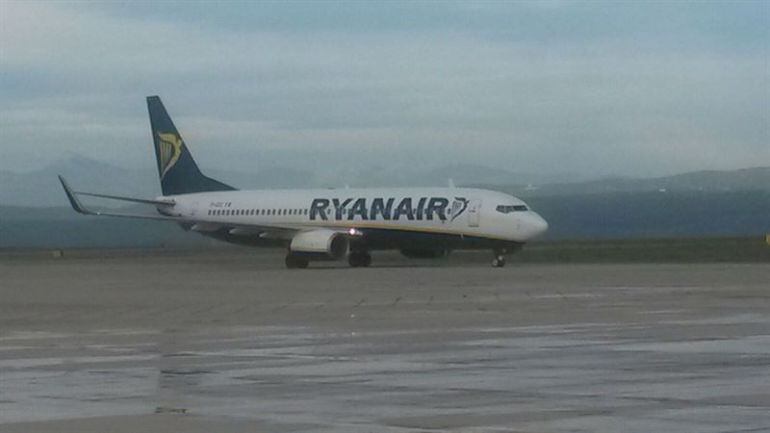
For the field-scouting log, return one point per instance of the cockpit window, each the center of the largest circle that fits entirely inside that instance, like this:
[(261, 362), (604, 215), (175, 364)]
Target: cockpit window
[(511, 208)]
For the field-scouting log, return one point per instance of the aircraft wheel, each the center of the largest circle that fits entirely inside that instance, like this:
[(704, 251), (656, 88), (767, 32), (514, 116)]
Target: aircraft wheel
[(366, 259), (294, 262), (359, 259), (499, 260)]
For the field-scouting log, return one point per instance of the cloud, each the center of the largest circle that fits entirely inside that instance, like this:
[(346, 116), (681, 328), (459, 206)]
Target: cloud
[(577, 89)]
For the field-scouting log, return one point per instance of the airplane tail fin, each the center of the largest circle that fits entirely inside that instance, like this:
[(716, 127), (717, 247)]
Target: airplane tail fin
[(179, 174)]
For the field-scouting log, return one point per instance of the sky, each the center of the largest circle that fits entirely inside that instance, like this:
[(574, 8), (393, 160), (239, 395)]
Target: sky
[(586, 88)]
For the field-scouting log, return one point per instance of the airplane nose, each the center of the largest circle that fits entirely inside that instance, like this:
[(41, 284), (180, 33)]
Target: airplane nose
[(537, 225)]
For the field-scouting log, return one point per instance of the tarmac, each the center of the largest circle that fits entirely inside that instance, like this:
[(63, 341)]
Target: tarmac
[(127, 342)]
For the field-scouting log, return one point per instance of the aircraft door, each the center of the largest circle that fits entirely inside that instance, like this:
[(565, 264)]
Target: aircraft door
[(474, 213)]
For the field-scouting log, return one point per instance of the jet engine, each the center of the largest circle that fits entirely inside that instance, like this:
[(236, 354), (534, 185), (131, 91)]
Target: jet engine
[(321, 244)]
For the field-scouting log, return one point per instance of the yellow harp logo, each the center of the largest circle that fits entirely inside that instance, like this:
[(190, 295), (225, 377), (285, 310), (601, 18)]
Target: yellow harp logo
[(170, 148)]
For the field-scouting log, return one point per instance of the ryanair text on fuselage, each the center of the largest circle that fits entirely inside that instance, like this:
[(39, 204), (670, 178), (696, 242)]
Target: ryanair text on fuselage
[(423, 208)]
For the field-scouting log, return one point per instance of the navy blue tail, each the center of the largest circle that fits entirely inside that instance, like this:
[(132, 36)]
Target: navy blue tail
[(177, 170)]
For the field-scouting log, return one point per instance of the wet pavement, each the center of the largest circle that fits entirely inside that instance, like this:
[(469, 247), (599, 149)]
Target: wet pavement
[(577, 358)]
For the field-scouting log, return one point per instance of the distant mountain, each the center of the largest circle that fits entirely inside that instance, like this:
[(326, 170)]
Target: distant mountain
[(465, 174), (41, 188), (749, 179)]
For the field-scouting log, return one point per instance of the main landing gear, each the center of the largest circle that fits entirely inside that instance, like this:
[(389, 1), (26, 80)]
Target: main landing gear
[(359, 259), (499, 260), (356, 259), (296, 262)]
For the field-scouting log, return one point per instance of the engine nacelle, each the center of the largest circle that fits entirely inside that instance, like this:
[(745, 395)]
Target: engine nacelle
[(321, 244)]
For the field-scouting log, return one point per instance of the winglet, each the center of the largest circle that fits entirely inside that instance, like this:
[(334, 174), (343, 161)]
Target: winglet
[(73, 198)]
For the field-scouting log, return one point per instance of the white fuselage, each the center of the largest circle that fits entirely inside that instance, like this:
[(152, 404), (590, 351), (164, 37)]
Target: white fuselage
[(448, 211)]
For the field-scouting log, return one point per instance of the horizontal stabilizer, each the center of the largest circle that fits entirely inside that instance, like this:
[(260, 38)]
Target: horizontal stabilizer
[(72, 196), (131, 199)]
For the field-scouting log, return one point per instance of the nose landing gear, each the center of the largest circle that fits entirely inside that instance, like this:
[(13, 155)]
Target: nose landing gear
[(499, 260)]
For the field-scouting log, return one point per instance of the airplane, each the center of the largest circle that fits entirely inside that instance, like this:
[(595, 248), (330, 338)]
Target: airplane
[(325, 224)]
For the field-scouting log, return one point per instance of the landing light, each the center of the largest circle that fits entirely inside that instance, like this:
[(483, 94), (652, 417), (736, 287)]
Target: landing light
[(354, 232)]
